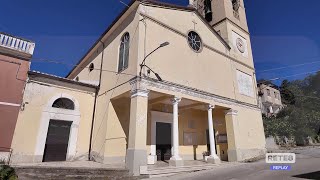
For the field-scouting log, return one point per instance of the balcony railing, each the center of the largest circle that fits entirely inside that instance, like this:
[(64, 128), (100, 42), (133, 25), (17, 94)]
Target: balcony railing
[(16, 43)]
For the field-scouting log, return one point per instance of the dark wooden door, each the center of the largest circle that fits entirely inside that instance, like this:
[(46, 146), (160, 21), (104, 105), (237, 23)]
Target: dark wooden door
[(57, 141), (163, 140)]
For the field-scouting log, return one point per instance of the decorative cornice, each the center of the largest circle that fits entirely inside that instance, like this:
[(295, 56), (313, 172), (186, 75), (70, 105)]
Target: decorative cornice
[(145, 82), (139, 92), (138, 88)]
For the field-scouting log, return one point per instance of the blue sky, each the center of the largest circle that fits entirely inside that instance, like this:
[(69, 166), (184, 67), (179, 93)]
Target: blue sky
[(283, 32)]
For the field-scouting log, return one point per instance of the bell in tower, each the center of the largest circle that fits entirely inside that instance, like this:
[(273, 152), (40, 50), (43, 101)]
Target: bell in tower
[(235, 5), (204, 7), (208, 10)]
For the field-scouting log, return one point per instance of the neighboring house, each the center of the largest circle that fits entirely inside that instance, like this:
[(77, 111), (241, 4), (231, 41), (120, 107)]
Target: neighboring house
[(269, 99), (202, 99), (15, 55)]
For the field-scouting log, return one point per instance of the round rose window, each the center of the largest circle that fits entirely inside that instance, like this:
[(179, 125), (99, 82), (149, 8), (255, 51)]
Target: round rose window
[(194, 41)]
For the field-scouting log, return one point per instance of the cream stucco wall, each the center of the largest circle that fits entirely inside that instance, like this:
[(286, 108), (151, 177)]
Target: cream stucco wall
[(103, 142), (117, 131), (200, 125), (201, 120), (212, 70), (222, 9), (91, 77), (207, 70), (37, 98)]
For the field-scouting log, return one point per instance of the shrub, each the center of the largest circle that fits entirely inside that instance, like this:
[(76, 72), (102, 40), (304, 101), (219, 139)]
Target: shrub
[(7, 173)]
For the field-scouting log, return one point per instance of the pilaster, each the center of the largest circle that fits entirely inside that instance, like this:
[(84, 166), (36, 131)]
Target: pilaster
[(233, 135), (137, 148)]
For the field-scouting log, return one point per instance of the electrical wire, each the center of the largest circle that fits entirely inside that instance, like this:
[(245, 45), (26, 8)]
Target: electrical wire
[(84, 67), (289, 66), (72, 65), (283, 77), (123, 3), (273, 79)]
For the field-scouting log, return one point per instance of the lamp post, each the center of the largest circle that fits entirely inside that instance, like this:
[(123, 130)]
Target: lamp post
[(143, 62)]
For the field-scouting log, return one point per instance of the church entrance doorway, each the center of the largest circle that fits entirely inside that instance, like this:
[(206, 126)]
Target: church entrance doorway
[(163, 141)]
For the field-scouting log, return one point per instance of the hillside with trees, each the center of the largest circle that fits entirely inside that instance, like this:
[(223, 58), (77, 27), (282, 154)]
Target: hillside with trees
[(300, 118)]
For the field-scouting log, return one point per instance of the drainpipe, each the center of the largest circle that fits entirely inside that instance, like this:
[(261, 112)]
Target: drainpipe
[(95, 102)]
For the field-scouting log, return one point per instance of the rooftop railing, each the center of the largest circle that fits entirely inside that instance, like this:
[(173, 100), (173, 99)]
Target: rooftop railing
[(16, 43)]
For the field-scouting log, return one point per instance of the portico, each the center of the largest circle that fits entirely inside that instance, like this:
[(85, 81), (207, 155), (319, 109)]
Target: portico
[(195, 125)]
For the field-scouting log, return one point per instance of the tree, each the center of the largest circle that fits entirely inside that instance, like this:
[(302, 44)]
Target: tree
[(287, 96), (301, 116)]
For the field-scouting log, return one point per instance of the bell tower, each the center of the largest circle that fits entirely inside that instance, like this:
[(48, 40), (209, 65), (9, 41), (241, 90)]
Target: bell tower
[(228, 18)]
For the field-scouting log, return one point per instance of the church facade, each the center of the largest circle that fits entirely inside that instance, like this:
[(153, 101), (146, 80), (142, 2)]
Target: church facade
[(163, 82)]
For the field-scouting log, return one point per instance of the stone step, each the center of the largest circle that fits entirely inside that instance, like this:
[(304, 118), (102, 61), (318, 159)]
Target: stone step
[(162, 175), (186, 166), (30, 172), (170, 169)]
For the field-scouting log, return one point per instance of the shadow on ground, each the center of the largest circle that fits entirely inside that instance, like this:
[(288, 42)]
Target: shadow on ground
[(312, 175)]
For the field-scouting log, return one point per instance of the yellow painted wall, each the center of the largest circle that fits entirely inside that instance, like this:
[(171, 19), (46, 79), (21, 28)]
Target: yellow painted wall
[(200, 119), (91, 77), (250, 127), (208, 71), (117, 130), (178, 63), (105, 118), (201, 124)]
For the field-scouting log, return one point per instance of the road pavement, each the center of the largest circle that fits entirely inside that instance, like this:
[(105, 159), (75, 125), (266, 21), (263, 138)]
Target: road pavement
[(307, 166)]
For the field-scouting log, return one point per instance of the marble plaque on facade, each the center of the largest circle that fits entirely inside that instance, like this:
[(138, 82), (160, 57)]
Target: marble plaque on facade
[(245, 83)]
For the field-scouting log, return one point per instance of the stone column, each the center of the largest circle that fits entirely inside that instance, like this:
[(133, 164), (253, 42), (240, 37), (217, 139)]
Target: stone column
[(175, 160), (213, 156), (137, 147), (233, 135)]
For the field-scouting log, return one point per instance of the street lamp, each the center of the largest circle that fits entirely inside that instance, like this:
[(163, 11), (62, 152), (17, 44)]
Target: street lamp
[(156, 74), (143, 62)]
